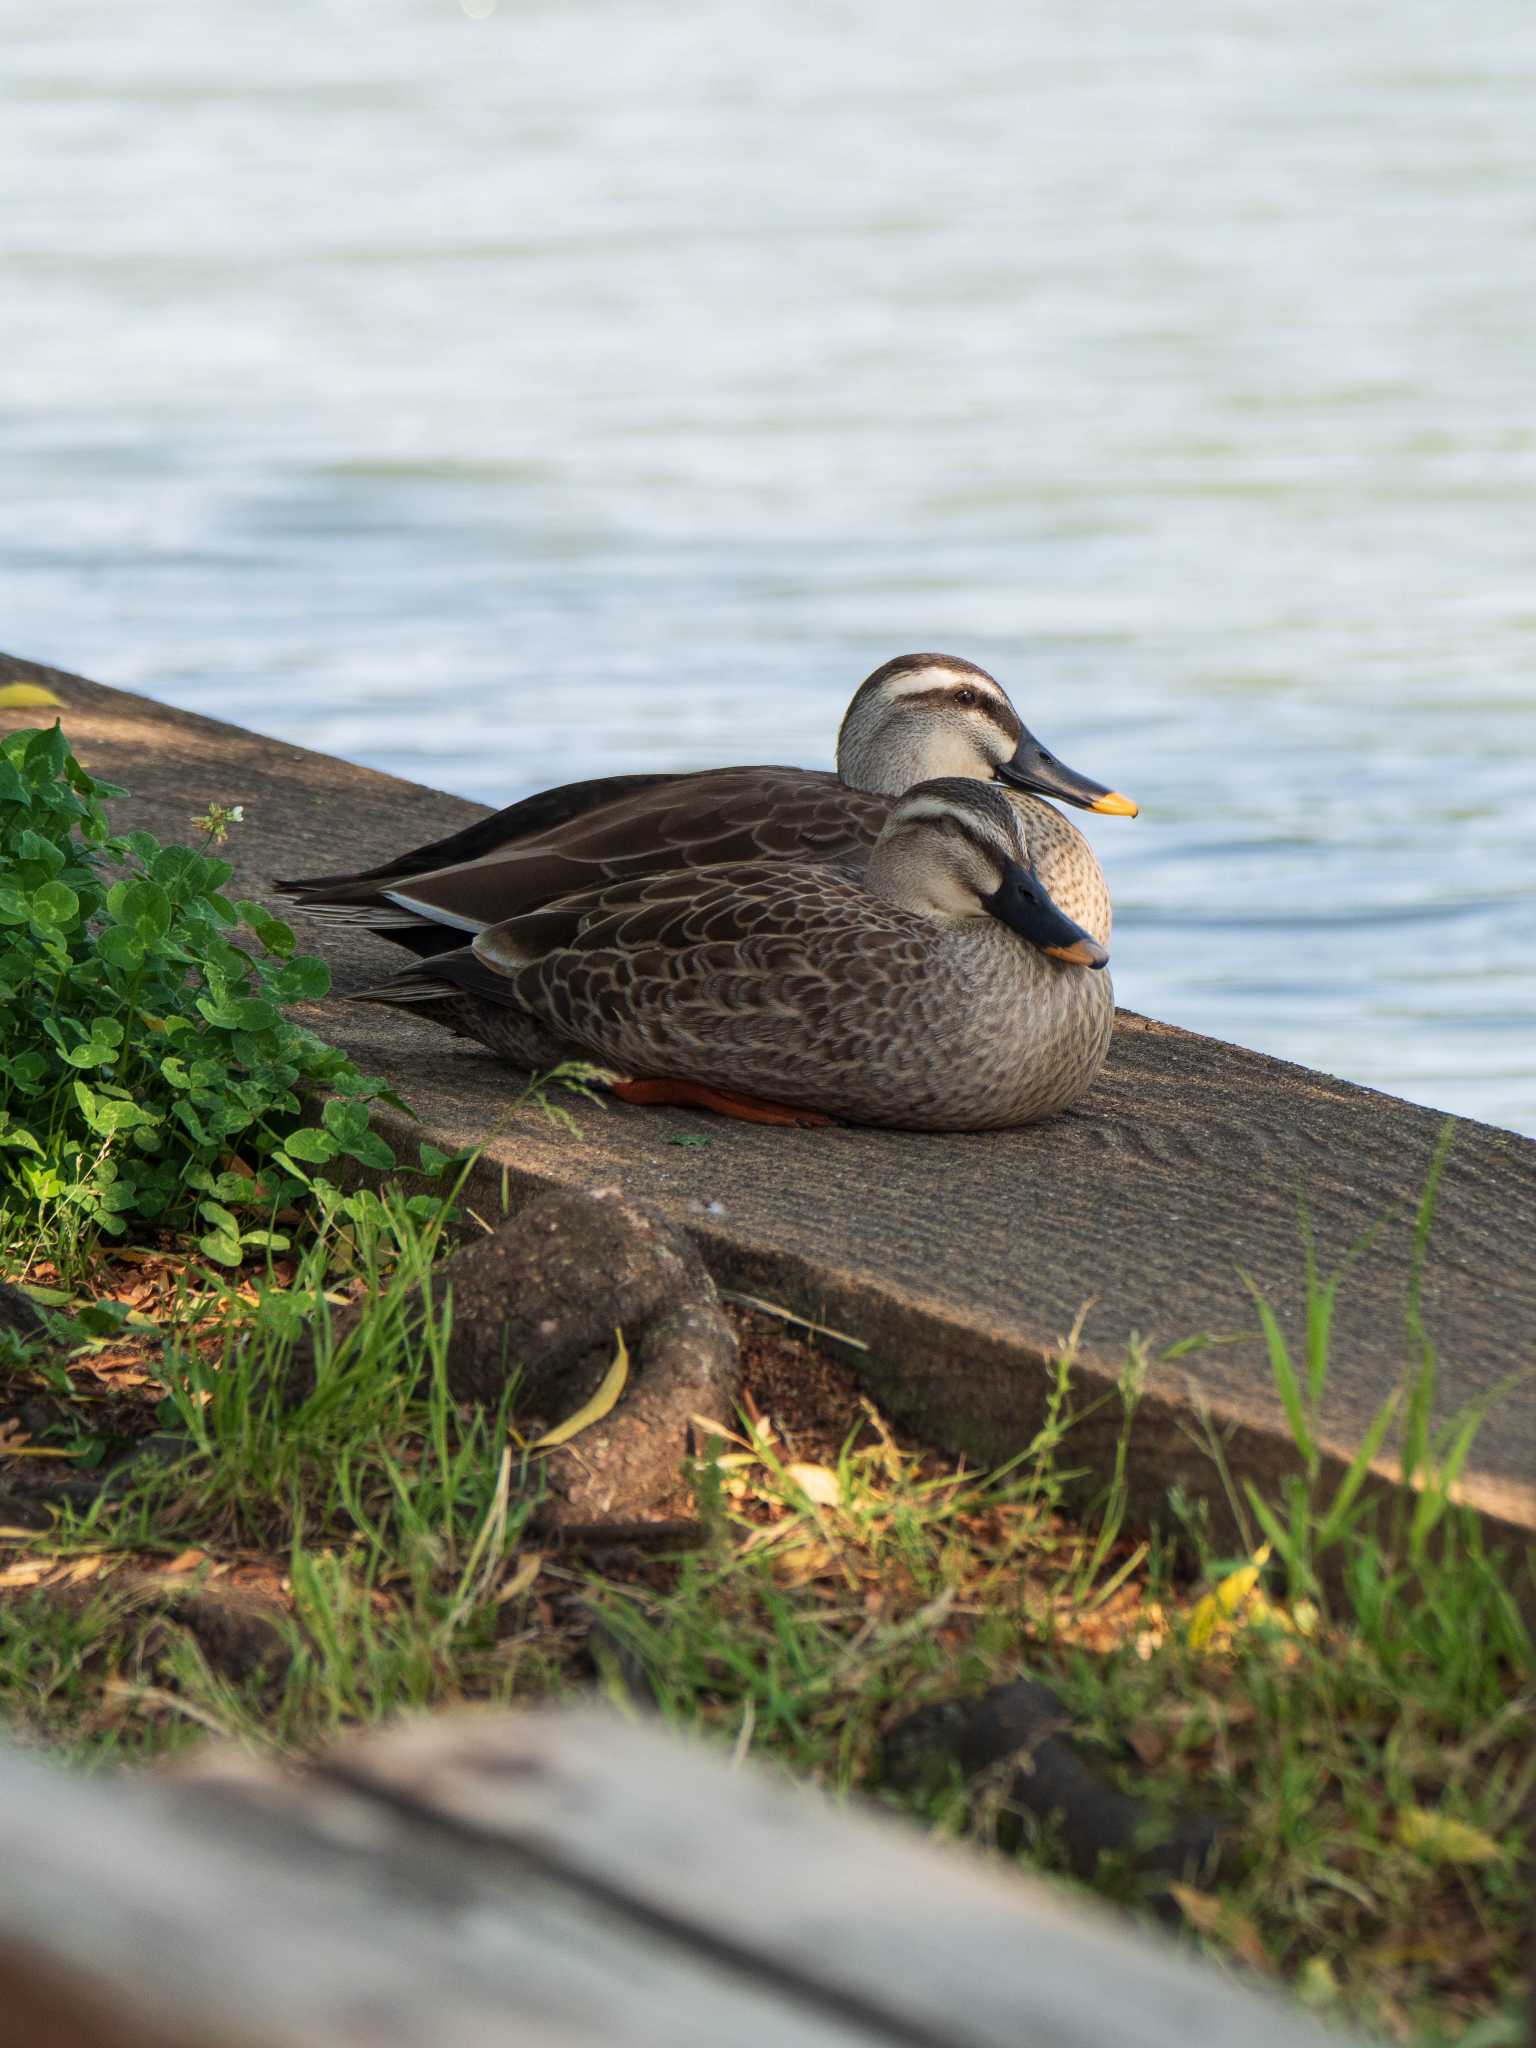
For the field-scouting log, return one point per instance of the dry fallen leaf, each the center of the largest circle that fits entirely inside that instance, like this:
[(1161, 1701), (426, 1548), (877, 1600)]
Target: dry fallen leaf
[(79, 1569), (185, 1561), (1316, 1982), (817, 1482), (1213, 1916), (27, 1573), (1444, 1840), (1211, 1618), (805, 1563), (606, 1397), (118, 1373), (528, 1569), (1200, 1909), (709, 1428)]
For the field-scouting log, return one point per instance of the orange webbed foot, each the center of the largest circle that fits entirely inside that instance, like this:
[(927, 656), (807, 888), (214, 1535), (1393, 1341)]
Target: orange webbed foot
[(748, 1109)]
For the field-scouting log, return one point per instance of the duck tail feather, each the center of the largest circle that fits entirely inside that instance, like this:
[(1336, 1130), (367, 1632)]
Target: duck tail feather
[(372, 916), (439, 980), (401, 927)]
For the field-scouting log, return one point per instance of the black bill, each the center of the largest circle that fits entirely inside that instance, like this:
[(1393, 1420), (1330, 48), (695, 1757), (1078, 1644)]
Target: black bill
[(1032, 768), (1023, 905)]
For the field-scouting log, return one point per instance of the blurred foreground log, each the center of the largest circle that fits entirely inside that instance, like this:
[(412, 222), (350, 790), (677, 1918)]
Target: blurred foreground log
[(551, 1878)]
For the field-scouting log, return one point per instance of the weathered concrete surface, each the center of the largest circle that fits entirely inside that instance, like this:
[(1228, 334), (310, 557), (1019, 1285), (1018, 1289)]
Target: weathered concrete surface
[(963, 1261)]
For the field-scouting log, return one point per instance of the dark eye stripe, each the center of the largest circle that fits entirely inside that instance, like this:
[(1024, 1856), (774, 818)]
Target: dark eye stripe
[(958, 820), (942, 694)]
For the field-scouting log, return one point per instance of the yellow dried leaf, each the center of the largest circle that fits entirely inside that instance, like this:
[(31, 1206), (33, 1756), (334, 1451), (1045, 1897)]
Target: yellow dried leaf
[(1305, 1617), (1211, 1617), (818, 1482), (79, 1569), (1444, 1840), (806, 1562), (1210, 1915), (710, 1429), (185, 1561), (615, 1379), (26, 697), (528, 1569), (1200, 1909), (26, 1574), (1316, 1982)]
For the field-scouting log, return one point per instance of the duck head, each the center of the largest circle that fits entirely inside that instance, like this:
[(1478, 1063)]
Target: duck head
[(923, 716), (954, 848)]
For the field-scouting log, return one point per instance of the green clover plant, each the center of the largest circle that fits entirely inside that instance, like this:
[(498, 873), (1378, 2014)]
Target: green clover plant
[(147, 1072)]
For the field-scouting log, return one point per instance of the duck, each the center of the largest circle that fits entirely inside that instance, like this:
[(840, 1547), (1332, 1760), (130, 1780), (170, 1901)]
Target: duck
[(916, 718), (942, 989)]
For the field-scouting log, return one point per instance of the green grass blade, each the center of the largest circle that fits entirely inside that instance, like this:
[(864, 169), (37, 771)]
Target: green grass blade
[(1336, 1520), (1440, 1482), (1277, 1532), (1284, 1372)]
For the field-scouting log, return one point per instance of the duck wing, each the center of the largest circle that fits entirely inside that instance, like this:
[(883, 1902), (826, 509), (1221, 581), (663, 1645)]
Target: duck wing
[(676, 824), (751, 915), (527, 819), (773, 978)]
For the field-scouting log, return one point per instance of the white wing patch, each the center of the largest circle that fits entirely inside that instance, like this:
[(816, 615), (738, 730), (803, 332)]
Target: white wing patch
[(432, 913)]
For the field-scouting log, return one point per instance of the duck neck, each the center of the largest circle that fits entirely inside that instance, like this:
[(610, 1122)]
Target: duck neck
[(875, 756)]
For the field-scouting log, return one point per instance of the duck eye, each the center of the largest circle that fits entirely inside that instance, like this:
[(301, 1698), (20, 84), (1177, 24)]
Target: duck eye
[(966, 697)]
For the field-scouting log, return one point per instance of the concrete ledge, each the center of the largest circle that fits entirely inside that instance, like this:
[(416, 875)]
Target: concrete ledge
[(962, 1262)]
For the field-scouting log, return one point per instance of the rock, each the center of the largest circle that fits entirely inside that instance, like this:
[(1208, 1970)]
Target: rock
[(240, 1634), (687, 1364), (546, 1291), (1015, 1740), (541, 1298), (20, 1314)]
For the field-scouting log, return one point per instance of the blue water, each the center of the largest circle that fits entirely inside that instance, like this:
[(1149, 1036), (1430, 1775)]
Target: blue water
[(507, 394)]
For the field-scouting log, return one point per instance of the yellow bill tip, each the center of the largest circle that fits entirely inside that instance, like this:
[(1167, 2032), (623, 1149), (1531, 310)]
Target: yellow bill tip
[(1114, 805)]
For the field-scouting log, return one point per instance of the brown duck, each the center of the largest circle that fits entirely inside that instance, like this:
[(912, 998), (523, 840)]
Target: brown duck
[(940, 990), (916, 718)]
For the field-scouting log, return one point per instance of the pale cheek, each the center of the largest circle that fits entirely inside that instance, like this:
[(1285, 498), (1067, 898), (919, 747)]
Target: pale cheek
[(949, 897), (957, 753)]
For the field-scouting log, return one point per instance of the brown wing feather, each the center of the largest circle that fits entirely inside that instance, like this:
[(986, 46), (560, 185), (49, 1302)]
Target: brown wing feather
[(684, 908), (722, 815), (527, 819), (722, 955)]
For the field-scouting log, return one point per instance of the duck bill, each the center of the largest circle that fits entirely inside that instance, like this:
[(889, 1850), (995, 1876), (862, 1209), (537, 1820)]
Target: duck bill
[(1024, 906), (1032, 768)]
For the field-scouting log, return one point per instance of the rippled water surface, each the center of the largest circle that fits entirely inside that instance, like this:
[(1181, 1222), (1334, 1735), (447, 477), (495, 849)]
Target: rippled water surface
[(583, 386)]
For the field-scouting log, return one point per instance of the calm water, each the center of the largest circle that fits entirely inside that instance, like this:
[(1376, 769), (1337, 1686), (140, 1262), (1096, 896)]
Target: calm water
[(505, 396)]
